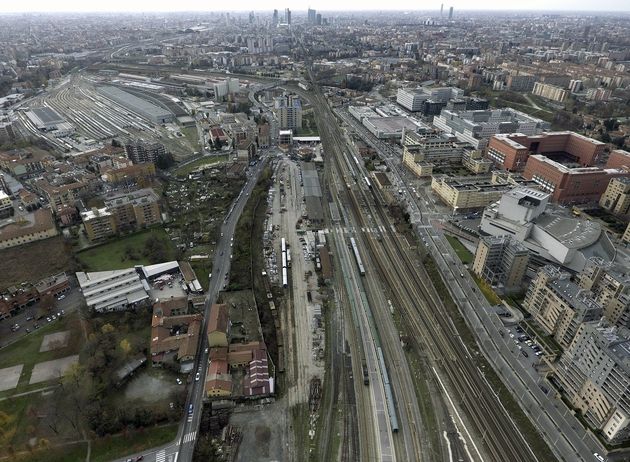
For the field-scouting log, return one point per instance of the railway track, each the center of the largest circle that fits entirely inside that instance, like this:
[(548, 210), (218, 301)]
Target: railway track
[(496, 429)]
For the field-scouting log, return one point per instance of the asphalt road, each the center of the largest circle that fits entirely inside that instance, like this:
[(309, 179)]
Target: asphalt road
[(182, 449)]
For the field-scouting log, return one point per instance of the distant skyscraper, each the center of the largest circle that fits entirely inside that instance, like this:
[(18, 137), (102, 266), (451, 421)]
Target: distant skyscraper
[(275, 18), (287, 16), (450, 13), (441, 9), (318, 19), (311, 16)]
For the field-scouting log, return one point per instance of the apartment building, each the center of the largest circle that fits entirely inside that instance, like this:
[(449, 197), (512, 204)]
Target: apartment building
[(24, 162), (40, 225), (6, 205), (140, 151), (99, 223), (288, 111), (594, 373), (502, 262), (551, 92), (616, 198), (559, 305), (626, 235), (611, 289), (134, 210)]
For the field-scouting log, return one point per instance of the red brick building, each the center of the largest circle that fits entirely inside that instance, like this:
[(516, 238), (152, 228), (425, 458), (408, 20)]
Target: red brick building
[(570, 185), (511, 151), (618, 159)]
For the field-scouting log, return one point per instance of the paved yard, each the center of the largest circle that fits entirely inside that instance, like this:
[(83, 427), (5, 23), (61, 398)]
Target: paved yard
[(10, 376), (50, 370), (55, 341)]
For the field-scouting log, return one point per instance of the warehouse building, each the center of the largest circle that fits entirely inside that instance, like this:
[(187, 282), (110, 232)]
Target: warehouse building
[(112, 290), (44, 118), (150, 111)]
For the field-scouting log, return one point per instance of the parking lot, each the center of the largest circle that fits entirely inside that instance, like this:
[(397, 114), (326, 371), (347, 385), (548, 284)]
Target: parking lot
[(33, 317)]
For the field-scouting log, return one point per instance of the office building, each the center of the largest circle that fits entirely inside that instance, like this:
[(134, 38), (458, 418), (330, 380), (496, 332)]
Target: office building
[(311, 16), (618, 159), (140, 151), (511, 151), (594, 373), (467, 193), (610, 284), (616, 198), (274, 19), (476, 127), (450, 13), (502, 262), (551, 92), (425, 99), (570, 185), (288, 111), (287, 16), (559, 305)]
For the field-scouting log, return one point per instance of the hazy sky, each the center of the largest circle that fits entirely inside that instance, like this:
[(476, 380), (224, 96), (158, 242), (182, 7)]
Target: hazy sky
[(325, 5)]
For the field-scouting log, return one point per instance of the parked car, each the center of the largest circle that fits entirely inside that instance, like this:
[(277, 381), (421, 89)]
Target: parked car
[(197, 377), (178, 380)]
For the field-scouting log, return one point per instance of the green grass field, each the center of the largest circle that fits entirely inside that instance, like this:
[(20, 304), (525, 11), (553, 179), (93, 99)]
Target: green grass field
[(194, 165), (487, 291), (106, 449), (462, 252), (114, 255), (26, 350)]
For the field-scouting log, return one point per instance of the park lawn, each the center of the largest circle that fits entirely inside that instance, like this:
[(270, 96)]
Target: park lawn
[(194, 165), (113, 255), (68, 452), (113, 447), (462, 252)]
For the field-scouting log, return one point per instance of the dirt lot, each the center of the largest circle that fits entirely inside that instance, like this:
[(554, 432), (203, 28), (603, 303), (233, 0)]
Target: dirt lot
[(32, 262), (243, 315)]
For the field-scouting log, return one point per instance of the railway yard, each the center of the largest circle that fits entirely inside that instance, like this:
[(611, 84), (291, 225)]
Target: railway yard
[(96, 118)]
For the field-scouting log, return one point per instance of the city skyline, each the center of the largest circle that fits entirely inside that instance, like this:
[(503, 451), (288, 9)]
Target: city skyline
[(116, 6)]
